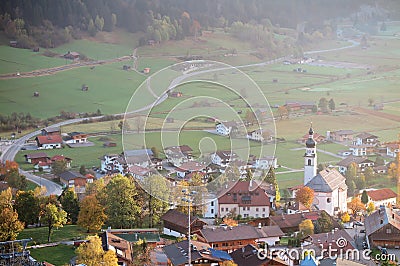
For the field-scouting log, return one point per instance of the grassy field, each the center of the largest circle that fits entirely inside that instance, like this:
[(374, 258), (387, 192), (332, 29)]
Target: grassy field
[(39, 235), (57, 255)]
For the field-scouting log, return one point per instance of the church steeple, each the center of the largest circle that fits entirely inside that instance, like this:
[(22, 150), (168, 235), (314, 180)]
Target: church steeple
[(310, 157)]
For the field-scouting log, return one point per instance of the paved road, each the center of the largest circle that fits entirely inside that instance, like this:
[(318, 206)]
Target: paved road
[(53, 188)]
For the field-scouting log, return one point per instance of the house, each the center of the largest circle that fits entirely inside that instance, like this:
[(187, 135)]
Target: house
[(226, 128), (392, 149), (382, 228), (157, 163), (317, 137), (245, 198), (176, 223), (247, 256), (72, 179), (191, 167), (289, 223), (366, 139), (329, 185), (140, 157), (229, 238), (122, 242), (297, 106), (380, 169), (109, 163), (340, 135), (75, 137), (146, 70), (34, 158), (175, 94), (259, 135), (49, 131), (361, 162), (270, 235), (177, 155), (296, 207), (49, 142), (223, 158), (361, 150), (139, 172), (72, 55), (266, 162), (381, 197), (57, 158), (201, 254), (45, 166), (324, 240)]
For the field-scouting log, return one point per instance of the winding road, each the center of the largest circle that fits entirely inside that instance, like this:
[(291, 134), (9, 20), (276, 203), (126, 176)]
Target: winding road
[(54, 188)]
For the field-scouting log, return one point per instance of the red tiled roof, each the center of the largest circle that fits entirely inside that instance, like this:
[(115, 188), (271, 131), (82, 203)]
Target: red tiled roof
[(242, 189), (49, 139), (192, 166), (381, 194)]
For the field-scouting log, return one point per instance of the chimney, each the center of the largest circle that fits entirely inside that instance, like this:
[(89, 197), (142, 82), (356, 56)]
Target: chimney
[(242, 249), (283, 217), (251, 183), (259, 225)]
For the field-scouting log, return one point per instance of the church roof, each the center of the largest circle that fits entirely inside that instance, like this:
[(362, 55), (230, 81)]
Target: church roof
[(327, 180)]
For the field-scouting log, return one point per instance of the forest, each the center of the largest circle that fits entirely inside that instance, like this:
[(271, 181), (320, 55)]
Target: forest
[(48, 23)]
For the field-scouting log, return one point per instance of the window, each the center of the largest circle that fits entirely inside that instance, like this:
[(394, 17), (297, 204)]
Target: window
[(263, 215), (212, 211), (256, 215), (309, 162), (227, 209), (248, 208), (222, 209), (244, 208), (328, 200), (263, 209), (256, 209), (388, 231), (212, 203)]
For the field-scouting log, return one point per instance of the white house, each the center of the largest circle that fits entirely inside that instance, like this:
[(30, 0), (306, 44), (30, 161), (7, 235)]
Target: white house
[(177, 155), (211, 210), (270, 234), (223, 158), (381, 197), (266, 162), (139, 172), (259, 135), (110, 163), (366, 139), (75, 137), (226, 128), (392, 149), (361, 162), (49, 142)]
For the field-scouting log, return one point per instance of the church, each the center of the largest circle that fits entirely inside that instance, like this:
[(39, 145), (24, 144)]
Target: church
[(329, 185)]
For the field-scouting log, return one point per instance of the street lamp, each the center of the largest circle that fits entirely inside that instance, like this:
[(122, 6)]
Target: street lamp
[(189, 199)]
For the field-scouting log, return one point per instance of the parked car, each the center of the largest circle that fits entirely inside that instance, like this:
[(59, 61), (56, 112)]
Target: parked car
[(359, 223), (362, 231)]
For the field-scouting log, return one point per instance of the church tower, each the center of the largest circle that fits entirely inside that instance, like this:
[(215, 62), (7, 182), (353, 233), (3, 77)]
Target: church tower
[(310, 157)]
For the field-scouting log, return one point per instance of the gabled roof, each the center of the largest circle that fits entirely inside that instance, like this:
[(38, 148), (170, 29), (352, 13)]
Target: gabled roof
[(36, 155), (366, 135), (179, 149), (381, 194), (330, 238), (293, 220), (53, 139), (60, 158), (271, 231), (327, 180), (178, 218), (353, 159), (380, 218), (233, 233), (70, 175), (298, 206), (192, 166), (51, 129), (138, 170), (225, 154), (247, 256), (247, 193)]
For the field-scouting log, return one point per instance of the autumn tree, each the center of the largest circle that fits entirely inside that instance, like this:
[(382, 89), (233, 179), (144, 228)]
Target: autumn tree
[(323, 104), (229, 221), (345, 217), (70, 204), (356, 205), (306, 227), (364, 197), (91, 214), (122, 205), (91, 253), (370, 208), (305, 195), (228, 263), (250, 117), (53, 216), (283, 112), (10, 226), (324, 223), (27, 207)]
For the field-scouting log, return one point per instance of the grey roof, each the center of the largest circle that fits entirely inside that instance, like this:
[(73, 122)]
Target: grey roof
[(365, 135), (327, 180), (51, 129), (219, 234), (380, 218), (271, 231), (69, 175), (356, 159)]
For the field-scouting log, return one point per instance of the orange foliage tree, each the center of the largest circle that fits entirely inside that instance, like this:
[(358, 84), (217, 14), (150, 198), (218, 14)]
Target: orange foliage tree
[(305, 195)]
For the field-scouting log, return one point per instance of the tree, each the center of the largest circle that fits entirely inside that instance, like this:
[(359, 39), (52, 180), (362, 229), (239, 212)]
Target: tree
[(91, 214), (392, 171), (345, 218), (283, 112), (323, 104), (250, 117), (229, 221), (370, 208), (228, 263), (91, 28), (70, 204), (113, 21), (306, 227), (10, 226), (305, 195), (360, 182), (139, 124), (324, 223), (364, 197), (99, 23), (82, 170), (122, 206), (369, 173), (53, 216), (379, 160), (356, 205), (27, 207), (155, 151), (370, 101), (332, 104), (59, 167), (91, 253)]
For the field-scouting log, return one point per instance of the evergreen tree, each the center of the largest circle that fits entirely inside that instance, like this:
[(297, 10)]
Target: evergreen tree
[(364, 197)]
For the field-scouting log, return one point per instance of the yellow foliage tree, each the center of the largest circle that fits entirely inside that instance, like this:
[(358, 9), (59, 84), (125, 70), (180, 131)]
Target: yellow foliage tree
[(305, 195), (228, 263), (345, 218), (229, 221), (91, 215), (370, 207), (306, 227), (91, 253), (10, 226), (356, 205)]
